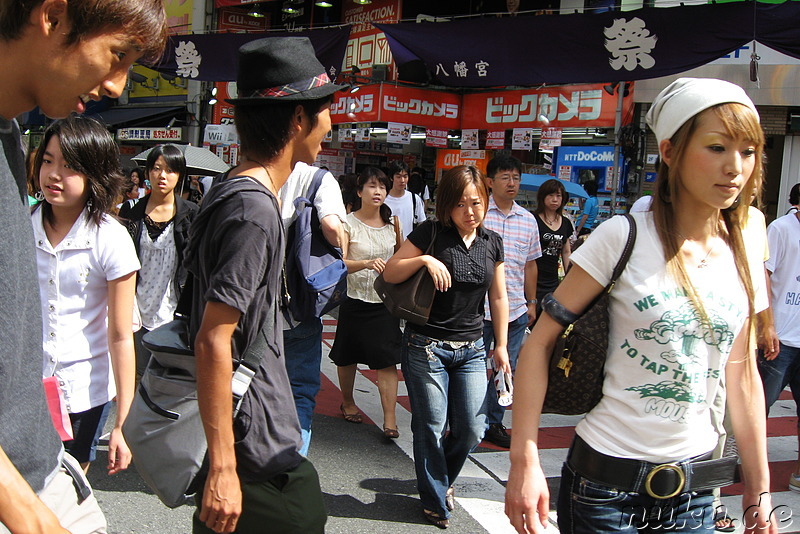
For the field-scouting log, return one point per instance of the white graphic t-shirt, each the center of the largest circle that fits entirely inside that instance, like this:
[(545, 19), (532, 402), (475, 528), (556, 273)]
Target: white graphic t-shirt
[(663, 368), (784, 264)]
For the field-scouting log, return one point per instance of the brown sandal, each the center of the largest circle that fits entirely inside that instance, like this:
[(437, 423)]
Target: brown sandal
[(450, 498), (436, 520), (351, 417), (390, 433)]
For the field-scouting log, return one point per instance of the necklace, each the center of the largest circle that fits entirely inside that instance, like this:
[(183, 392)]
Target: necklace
[(704, 262), (548, 221), (274, 189)]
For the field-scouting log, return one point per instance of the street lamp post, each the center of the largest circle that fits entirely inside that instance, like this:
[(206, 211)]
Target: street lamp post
[(615, 175)]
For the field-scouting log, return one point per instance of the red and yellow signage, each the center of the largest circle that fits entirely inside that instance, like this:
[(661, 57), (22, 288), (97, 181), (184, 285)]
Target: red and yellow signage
[(582, 106), (388, 103), (447, 159), (568, 105), (367, 45)]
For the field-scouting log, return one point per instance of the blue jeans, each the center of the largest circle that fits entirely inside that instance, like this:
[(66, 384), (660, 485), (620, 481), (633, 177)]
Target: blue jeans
[(516, 332), (586, 507), (302, 346), (446, 386), (783, 371)]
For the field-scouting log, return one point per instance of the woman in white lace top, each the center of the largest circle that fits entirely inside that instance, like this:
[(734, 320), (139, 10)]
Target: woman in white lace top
[(366, 332)]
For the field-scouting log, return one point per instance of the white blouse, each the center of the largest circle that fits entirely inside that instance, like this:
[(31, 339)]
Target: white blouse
[(155, 292), (366, 243), (73, 287)]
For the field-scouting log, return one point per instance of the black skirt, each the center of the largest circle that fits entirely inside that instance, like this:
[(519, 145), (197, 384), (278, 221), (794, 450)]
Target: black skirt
[(367, 333)]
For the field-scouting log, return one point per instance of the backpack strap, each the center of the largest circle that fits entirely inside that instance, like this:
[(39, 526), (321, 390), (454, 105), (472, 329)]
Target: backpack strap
[(315, 183)]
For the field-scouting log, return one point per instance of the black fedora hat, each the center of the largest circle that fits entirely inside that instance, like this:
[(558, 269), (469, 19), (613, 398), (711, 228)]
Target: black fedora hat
[(281, 69)]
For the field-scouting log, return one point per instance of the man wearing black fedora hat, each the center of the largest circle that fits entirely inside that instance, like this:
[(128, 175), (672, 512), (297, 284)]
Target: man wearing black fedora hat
[(256, 476)]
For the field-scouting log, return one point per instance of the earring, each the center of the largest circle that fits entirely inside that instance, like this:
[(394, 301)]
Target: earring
[(89, 204), (39, 196), (735, 204)]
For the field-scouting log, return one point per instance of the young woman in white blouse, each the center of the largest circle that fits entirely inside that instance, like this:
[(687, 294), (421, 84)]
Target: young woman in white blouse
[(87, 275), (367, 333), (679, 331)]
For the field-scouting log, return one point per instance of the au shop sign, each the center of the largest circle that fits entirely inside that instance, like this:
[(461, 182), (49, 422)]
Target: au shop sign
[(563, 106)]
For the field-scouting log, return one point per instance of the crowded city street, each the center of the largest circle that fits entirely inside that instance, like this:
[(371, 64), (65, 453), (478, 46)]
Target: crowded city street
[(368, 481), (399, 266)]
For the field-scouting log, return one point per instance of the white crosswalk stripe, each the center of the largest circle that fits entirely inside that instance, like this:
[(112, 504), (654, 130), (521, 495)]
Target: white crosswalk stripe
[(480, 490)]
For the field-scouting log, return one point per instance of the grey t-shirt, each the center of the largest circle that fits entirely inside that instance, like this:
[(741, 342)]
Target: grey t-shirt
[(26, 433), (236, 253)]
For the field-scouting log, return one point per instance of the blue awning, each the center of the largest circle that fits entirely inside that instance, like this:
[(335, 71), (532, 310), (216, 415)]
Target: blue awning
[(532, 182)]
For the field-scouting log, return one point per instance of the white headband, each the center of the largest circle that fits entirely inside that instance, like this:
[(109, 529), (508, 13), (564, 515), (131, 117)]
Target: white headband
[(686, 97)]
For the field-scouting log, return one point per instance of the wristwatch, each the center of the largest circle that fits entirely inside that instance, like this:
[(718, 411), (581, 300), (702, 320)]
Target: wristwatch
[(531, 301)]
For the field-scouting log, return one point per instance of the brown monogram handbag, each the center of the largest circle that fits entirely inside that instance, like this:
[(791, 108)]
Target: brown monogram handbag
[(575, 375)]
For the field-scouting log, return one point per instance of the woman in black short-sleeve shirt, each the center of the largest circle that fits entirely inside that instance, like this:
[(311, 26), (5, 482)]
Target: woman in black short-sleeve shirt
[(443, 361), (555, 232)]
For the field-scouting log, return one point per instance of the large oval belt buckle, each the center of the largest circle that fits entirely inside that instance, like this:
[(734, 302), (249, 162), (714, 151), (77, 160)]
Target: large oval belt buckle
[(670, 467)]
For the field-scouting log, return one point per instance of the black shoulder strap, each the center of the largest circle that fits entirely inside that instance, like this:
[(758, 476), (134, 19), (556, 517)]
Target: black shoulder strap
[(626, 252), (429, 251), (256, 350)]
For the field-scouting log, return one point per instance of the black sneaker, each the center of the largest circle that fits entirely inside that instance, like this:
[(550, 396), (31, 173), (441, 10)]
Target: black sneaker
[(497, 435)]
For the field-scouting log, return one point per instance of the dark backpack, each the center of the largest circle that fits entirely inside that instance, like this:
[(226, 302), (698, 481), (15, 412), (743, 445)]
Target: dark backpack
[(316, 276)]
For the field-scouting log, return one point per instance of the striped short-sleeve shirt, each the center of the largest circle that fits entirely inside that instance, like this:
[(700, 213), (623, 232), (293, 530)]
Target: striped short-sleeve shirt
[(521, 244)]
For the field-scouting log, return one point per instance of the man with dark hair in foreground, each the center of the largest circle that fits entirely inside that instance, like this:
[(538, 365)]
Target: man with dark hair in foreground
[(58, 55)]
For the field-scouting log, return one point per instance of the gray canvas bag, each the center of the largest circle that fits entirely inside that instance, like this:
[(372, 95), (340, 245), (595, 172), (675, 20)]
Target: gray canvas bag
[(163, 428)]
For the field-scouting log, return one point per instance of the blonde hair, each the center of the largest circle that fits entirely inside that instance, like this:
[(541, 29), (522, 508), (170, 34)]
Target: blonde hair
[(742, 124)]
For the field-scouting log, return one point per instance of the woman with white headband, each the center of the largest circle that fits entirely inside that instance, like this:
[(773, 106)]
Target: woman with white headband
[(679, 335)]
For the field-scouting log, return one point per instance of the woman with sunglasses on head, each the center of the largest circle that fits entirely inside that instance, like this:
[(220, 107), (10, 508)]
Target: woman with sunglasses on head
[(679, 334)]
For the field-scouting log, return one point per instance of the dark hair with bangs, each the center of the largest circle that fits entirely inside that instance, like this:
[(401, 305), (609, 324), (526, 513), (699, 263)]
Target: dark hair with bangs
[(452, 186), (173, 157), (264, 127), (365, 176), (145, 21), (90, 150), (139, 172), (740, 123), (503, 163), (548, 188), (395, 167)]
